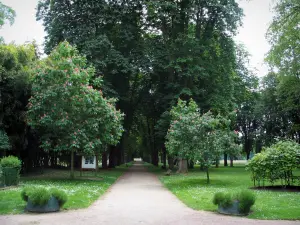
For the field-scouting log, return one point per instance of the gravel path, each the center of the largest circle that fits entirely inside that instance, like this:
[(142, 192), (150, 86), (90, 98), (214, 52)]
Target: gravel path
[(138, 197)]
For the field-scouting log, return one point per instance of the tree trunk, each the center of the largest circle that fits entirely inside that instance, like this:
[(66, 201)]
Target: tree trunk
[(154, 158), (182, 166), (225, 159), (97, 166), (191, 164), (207, 175), (112, 157), (248, 155), (104, 160), (120, 152), (217, 163), (231, 161), (171, 163), (164, 157), (72, 164)]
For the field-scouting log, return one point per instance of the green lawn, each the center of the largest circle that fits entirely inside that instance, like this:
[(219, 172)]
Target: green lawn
[(82, 191), (193, 190)]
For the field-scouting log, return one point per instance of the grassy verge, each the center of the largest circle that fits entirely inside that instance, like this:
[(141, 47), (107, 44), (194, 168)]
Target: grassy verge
[(193, 190), (82, 191)]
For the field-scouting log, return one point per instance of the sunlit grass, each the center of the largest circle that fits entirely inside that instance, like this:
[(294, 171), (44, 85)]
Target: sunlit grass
[(82, 191), (193, 190)]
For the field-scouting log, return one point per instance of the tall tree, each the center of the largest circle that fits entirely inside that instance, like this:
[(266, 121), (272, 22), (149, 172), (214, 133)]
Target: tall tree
[(70, 114), (109, 34), (284, 57), (15, 62)]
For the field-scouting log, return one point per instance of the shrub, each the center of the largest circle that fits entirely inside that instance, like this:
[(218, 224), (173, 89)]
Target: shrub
[(224, 200), (25, 193), (275, 163), (61, 196), (246, 200), (10, 161), (39, 196)]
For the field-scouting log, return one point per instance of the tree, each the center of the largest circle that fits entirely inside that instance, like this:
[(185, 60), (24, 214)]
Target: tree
[(284, 36), (155, 51), (284, 57), (69, 113), (15, 62), (109, 34), (197, 137)]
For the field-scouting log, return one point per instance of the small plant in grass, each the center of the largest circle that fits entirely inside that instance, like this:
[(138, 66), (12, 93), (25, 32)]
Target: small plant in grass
[(243, 199), (25, 193), (246, 200), (61, 196), (40, 196), (222, 199)]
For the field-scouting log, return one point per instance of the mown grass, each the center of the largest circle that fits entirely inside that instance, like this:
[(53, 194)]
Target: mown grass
[(193, 190), (82, 191)]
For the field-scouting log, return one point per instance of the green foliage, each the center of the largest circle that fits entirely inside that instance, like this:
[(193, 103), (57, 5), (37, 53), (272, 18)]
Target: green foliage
[(284, 57), (151, 53), (39, 196), (224, 200), (275, 163), (60, 195), (26, 192), (245, 198), (6, 13), (10, 161), (283, 35), (4, 141), (199, 137), (15, 63), (69, 113), (246, 201)]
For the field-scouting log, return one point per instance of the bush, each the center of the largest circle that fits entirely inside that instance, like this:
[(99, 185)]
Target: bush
[(40, 196), (25, 193), (246, 200), (61, 196), (224, 200), (275, 163), (10, 161)]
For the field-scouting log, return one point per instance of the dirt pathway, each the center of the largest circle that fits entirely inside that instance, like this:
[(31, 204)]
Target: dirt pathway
[(138, 197)]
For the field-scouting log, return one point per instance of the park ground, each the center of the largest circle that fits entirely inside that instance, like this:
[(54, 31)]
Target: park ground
[(136, 198), (192, 189)]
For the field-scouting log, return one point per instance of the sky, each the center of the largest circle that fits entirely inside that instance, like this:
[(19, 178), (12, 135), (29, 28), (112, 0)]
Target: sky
[(257, 18)]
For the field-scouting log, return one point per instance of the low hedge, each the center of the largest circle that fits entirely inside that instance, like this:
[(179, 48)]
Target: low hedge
[(275, 163)]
